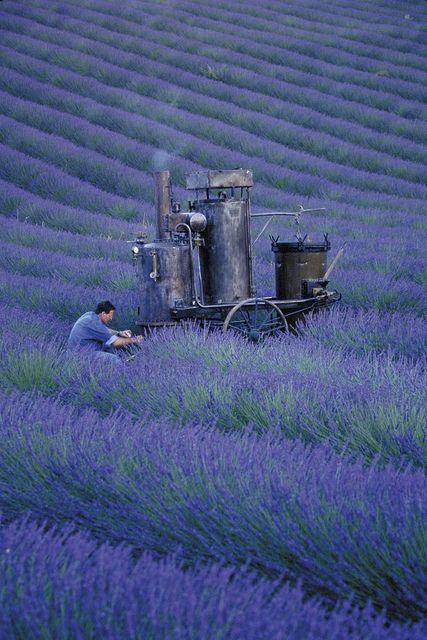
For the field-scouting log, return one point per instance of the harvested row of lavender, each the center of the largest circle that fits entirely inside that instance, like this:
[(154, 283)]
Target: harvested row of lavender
[(206, 486)]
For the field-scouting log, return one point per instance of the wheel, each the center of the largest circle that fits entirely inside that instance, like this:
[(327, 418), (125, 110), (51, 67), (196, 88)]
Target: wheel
[(255, 318)]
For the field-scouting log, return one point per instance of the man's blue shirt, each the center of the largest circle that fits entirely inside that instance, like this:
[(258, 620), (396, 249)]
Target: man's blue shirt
[(90, 332)]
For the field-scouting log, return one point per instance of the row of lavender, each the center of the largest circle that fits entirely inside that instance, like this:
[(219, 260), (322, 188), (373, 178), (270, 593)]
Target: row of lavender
[(35, 306), (110, 28), (386, 251), (14, 24), (121, 178), (137, 156), (165, 25), (60, 584), (328, 385), (20, 24), (282, 509), (247, 109), (293, 161)]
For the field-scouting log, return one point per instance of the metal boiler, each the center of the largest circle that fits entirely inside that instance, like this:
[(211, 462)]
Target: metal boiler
[(226, 253)]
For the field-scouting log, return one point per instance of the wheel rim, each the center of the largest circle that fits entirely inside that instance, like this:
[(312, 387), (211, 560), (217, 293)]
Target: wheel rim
[(255, 319)]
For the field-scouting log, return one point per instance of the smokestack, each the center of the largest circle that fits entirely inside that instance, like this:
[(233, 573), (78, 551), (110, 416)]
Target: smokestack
[(162, 198)]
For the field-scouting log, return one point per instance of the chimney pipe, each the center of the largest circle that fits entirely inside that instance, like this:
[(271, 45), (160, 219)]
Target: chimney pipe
[(163, 198)]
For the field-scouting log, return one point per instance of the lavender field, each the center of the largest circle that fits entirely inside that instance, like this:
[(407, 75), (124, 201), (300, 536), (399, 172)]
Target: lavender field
[(213, 488)]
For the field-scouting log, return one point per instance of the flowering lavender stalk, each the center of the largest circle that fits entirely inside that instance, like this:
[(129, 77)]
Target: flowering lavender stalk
[(61, 584), (370, 404), (303, 513)]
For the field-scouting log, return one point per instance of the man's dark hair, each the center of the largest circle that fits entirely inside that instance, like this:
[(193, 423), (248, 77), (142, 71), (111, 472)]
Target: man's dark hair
[(105, 306)]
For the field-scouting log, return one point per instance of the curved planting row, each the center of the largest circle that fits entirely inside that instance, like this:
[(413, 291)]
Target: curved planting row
[(384, 331), (90, 272), (106, 174), (234, 499), (26, 207), (369, 170), (45, 180), (238, 107), (66, 301), (305, 58), (386, 19), (275, 28), (27, 234), (387, 285), (63, 50), (32, 323), (292, 49), (59, 583), (94, 167), (357, 399)]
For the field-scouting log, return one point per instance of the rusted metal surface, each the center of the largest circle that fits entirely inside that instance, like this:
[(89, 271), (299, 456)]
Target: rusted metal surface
[(164, 280), (225, 267), (296, 262), (200, 264), (233, 178), (162, 199)]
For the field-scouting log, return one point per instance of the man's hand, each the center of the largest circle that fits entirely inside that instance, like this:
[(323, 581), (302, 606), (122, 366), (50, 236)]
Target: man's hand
[(127, 333)]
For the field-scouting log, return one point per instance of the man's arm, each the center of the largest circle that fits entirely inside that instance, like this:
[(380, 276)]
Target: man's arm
[(126, 333), (123, 342)]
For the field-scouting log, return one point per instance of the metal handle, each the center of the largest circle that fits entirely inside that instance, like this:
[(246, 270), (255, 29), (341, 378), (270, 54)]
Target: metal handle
[(272, 214), (155, 272), (334, 262)]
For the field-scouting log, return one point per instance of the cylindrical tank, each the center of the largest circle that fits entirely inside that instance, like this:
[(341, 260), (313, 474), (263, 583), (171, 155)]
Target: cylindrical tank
[(298, 264), (225, 256), (164, 281)]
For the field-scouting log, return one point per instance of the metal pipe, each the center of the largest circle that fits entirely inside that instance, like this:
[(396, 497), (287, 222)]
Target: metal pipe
[(190, 240), (162, 199), (263, 229), (265, 214), (249, 240)]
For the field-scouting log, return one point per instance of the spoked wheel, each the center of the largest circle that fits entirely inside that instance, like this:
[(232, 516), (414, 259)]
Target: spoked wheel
[(255, 319)]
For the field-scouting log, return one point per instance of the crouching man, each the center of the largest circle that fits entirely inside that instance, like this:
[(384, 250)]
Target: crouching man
[(91, 332)]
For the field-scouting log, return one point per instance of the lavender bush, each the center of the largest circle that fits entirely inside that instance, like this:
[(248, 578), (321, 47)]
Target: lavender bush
[(70, 244), (46, 181), (61, 584), (232, 498), (373, 406), (66, 301), (96, 272)]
